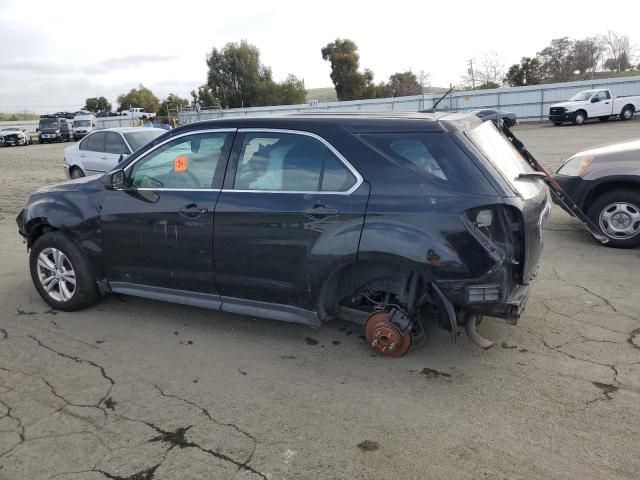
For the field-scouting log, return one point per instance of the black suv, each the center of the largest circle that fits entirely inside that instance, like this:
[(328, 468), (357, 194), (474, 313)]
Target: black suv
[(388, 221)]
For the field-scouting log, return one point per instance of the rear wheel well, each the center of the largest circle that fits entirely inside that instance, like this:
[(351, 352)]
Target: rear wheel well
[(628, 105), (606, 187), (387, 276)]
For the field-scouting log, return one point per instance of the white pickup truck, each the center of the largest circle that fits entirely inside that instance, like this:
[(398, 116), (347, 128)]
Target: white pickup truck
[(137, 113), (598, 104)]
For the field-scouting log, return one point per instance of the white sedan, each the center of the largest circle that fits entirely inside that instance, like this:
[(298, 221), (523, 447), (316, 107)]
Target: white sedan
[(102, 150)]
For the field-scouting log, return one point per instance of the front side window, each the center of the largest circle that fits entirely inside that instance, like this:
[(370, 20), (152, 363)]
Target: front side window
[(290, 163), (189, 162), (602, 95)]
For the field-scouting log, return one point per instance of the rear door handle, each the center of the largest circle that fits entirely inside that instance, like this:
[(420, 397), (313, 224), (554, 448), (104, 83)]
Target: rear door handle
[(192, 211), (322, 209)]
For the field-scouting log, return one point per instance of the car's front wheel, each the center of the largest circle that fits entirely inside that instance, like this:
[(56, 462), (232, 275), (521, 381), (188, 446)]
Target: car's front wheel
[(579, 118), (617, 215), (76, 172), (61, 273)]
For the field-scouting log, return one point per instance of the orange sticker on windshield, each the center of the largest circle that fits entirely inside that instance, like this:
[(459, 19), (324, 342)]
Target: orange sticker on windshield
[(180, 164)]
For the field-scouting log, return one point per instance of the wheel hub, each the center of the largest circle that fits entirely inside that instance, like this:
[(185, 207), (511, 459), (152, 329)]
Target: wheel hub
[(620, 220), (384, 337)]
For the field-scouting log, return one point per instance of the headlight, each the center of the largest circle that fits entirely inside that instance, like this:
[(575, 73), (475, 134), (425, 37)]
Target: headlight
[(575, 166), (21, 135)]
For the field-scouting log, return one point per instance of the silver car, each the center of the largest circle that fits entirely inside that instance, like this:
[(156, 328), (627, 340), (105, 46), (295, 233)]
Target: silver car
[(102, 150)]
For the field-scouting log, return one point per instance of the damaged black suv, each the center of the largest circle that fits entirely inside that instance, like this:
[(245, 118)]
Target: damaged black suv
[(388, 221)]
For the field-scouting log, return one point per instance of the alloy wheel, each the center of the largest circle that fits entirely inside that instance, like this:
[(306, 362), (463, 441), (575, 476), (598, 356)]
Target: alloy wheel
[(56, 274), (620, 220)]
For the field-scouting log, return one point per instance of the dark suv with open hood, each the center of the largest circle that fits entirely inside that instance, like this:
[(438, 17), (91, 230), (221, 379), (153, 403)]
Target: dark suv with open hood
[(388, 221)]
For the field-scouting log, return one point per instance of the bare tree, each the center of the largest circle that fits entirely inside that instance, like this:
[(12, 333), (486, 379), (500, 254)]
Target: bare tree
[(586, 55), (620, 51), (488, 72)]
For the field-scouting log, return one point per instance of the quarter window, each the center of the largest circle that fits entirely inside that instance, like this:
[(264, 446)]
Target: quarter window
[(290, 163), (189, 162)]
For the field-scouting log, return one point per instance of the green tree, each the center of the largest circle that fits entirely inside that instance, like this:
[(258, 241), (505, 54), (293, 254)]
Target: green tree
[(204, 97), (97, 104), (556, 60), (237, 78), (403, 84), (527, 72), (350, 84), (172, 102), (292, 91), (235, 74), (488, 85), (138, 97)]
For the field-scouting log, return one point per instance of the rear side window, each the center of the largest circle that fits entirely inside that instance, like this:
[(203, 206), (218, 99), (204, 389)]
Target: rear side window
[(94, 143), (115, 144), (289, 162), (433, 156)]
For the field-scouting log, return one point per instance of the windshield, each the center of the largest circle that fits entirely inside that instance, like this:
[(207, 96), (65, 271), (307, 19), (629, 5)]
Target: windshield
[(49, 124), (505, 158), (140, 139), (582, 96), (82, 123)]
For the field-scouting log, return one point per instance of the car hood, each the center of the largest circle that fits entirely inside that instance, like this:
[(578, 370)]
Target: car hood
[(612, 149), (70, 185), (568, 105)]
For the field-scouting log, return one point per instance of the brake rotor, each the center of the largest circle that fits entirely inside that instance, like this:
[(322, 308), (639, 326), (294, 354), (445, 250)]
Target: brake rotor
[(384, 337)]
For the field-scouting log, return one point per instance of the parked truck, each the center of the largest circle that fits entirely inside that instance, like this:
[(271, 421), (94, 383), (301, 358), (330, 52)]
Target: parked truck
[(598, 104), (137, 113)]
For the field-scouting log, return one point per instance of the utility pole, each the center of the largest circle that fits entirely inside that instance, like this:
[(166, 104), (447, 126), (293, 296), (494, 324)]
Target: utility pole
[(473, 78)]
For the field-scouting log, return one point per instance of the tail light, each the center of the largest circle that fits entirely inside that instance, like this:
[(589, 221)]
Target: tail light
[(499, 229)]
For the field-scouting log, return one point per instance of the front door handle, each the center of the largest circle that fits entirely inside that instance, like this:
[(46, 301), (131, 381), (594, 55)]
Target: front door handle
[(192, 211), (322, 209)]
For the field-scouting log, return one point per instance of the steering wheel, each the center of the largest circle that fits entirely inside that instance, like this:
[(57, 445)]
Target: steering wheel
[(185, 179)]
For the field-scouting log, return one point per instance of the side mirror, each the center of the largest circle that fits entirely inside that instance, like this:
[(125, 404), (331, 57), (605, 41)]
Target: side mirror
[(121, 158), (94, 125), (37, 129), (595, 100), (114, 180)]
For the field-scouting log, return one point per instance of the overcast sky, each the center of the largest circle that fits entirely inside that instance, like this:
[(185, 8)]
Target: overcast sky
[(54, 54)]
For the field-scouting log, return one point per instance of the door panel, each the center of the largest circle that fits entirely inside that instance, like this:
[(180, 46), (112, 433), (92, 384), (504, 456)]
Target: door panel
[(92, 151), (277, 234), (158, 231)]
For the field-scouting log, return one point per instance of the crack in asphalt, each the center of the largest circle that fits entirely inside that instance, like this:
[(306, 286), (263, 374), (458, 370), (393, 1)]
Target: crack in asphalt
[(205, 412), (80, 360), (176, 438)]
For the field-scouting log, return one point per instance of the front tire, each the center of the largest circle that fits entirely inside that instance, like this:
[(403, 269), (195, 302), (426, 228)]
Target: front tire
[(61, 273), (579, 118), (617, 216), (76, 172)]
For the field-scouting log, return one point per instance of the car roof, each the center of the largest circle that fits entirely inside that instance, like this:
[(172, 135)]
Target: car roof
[(131, 129), (357, 122)]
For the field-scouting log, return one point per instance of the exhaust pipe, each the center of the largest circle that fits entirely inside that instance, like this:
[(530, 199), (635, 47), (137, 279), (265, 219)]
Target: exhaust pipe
[(474, 336)]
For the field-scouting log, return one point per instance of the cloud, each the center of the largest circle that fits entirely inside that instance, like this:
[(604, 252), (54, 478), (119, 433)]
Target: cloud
[(43, 67), (123, 63)]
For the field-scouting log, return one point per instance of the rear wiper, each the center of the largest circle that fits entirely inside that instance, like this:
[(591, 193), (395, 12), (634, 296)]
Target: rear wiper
[(555, 188), (532, 176)]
